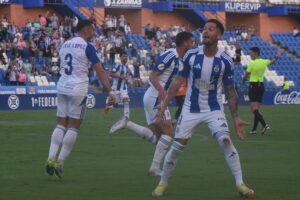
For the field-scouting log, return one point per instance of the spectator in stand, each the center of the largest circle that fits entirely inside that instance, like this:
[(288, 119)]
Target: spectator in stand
[(44, 70), (21, 45), (21, 77), (12, 75), (137, 81), (54, 70), (54, 21), (127, 28), (27, 66), (244, 35), (122, 22), (230, 51), (143, 55), (296, 32), (43, 20)]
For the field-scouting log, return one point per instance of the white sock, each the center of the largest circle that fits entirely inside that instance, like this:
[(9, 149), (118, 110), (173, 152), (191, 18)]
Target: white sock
[(170, 161), (160, 151), (126, 109), (142, 131), (232, 159), (67, 144), (56, 139)]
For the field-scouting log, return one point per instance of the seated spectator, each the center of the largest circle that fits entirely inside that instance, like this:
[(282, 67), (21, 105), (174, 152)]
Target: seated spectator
[(230, 51), (21, 45), (44, 70), (54, 70), (143, 55), (244, 35), (296, 32)]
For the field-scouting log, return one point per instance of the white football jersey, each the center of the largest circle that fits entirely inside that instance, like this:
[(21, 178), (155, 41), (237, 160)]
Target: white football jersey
[(206, 77), (76, 55), (118, 83)]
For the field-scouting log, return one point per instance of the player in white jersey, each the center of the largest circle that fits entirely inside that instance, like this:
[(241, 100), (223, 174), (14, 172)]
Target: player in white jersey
[(208, 70), (163, 72), (76, 55), (120, 74)]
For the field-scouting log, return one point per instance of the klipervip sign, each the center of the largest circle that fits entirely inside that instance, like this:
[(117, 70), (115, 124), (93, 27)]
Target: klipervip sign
[(123, 3)]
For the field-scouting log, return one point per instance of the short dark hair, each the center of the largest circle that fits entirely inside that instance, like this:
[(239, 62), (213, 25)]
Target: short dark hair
[(182, 37), (217, 23), (123, 53), (83, 23), (255, 50)]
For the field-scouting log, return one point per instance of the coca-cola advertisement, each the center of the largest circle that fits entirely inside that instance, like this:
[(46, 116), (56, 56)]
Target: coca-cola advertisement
[(283, 97)]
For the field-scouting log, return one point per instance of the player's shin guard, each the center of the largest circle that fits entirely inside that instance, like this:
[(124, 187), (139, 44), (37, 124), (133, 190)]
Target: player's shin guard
[(142, 131), (170, 161), (126, 109), (160, 151), (67, 144), (56, 139), (231, 157)]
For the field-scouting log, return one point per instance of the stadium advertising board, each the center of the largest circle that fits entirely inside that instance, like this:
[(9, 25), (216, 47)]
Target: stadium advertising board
[(243, 7), (123, 3), (49, 101), (4, 1)]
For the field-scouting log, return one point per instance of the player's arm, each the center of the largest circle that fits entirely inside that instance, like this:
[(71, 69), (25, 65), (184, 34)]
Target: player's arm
[(172, 91), (155, 82), (93, 58), (277, 56), (232, 99), (245, 77)]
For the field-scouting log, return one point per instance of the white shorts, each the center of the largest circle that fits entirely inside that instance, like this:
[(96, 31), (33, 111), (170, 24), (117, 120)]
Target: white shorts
[(187, 122), (150, 106), (120, 95), (71, 106)]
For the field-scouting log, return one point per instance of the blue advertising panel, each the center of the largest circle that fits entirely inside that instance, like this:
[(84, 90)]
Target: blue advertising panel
[(243, 7), (49, 101)]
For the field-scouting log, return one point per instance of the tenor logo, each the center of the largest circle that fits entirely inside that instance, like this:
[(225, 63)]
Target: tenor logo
[(13, 102), (291, 98)]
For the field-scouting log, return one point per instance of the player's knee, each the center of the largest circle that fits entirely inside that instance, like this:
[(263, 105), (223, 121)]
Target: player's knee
[(224, 140)]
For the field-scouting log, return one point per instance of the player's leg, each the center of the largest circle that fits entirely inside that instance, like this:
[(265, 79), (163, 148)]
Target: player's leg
[(125, 98), (186, 123), (76, 112), (58, 132), (217, 123), (179, 103), (166, 128)]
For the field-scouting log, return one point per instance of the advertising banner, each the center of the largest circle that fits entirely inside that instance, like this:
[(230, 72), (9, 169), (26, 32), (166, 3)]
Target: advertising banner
[(123, 3), (243, 7)]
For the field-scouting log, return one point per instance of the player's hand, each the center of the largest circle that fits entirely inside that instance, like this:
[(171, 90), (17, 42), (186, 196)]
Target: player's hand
[(159, 114), (112, 98), (239, 126)]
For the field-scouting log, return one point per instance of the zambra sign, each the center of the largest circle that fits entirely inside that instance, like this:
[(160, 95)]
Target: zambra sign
[(4, 1), (243, 7), (123, 3), (287, 98)]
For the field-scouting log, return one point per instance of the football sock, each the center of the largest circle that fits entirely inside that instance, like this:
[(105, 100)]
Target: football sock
[(142, 131), (126, 109), (56, 139), (255, 123), (260, 117), (160, 151), (232, 158), (170, 161), (67, 144)]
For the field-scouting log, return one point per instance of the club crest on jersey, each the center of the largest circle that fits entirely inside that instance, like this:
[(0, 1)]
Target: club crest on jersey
[(161, 66), (216, 68)]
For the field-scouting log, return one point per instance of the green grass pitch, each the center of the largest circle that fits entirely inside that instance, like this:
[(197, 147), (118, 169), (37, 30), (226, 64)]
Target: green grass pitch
[(114, 167)]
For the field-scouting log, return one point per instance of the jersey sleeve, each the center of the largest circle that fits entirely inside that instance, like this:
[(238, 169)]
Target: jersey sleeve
[(91, 53), (163, 62), (184, 66), (228, 72), (115, 68), (268, 62), (249, 68)]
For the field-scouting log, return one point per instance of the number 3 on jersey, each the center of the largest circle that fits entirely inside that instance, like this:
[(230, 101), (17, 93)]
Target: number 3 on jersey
[(68, 60)]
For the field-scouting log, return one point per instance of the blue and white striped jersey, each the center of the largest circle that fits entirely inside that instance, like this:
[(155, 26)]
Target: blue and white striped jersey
[(76, 56), (118, 83), (206, 77), (167, 65)]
